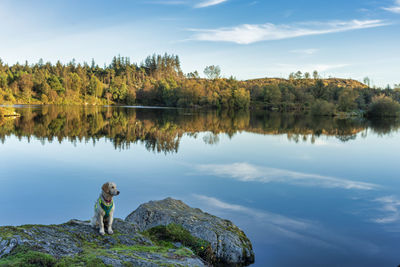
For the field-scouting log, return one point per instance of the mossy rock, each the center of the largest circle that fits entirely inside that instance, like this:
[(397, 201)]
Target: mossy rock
[(77, 244), (171, 219)]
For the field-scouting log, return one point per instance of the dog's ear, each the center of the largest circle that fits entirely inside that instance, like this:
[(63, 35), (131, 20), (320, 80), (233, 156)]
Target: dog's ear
[(106, 188)]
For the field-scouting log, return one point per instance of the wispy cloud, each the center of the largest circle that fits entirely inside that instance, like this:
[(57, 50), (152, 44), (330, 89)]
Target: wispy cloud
[(255, 214), (391, 206), (200, 4), (309, 51), (209, 3), (272, 225), (395, 8), (251, 33), (251, 173)]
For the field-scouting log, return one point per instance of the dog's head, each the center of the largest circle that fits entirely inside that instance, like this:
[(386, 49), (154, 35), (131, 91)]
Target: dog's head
[(110, 189)]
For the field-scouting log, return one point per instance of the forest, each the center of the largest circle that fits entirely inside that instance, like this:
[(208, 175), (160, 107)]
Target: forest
[(159, 81)]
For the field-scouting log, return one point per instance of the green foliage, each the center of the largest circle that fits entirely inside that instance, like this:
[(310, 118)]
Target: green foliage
[(318, 90), (159, 81), (383, 106), (55, 84), (347, 100), (272, 95), (176, 233), (212, 72), (95, 87), (323, 108)]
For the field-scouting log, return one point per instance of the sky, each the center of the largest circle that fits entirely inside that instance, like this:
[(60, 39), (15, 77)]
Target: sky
[(246, 38)]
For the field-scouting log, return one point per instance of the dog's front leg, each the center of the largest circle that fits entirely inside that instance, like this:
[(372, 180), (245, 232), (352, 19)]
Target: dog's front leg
[(110, 221), (101, 224)]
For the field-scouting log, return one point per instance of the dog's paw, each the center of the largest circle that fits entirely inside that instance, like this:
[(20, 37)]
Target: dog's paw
[(110, 231), (102, 232)]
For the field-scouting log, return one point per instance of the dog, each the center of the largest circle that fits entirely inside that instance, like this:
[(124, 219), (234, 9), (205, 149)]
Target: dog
[(104, 208)]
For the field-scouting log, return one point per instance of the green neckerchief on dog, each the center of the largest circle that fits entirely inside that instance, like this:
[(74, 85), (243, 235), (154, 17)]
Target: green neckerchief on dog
[(105, 207)]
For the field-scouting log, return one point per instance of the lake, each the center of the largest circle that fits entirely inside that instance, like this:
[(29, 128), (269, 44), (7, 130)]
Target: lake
[(306, 191)]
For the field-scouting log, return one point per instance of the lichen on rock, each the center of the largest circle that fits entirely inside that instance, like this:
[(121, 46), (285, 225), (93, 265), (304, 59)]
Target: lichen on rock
[(230, 245), (158, 233), (76, 243)]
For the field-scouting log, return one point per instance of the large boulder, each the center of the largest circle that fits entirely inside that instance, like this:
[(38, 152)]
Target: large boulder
[(76, 243), (229, 244)]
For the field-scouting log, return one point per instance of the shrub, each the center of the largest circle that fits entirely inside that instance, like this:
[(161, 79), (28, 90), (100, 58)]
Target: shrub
[(383, 106), (323, 108)]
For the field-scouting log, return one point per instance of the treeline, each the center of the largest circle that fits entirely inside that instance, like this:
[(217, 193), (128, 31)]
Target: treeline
[(160, 81), (323, 96), (161, 130)]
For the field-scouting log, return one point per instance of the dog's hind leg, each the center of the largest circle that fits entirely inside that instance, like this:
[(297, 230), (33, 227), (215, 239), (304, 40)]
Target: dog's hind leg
[(93, 222)]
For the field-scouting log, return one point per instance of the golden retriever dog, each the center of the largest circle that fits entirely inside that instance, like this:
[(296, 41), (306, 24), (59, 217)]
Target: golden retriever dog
[(104, 208)]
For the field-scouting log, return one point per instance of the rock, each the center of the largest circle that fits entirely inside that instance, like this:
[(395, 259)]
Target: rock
[(76, 242), (229, 244)]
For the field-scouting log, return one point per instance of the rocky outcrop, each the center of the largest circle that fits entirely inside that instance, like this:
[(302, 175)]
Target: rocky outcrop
[(77, 243), (229, 244), (158, 233)]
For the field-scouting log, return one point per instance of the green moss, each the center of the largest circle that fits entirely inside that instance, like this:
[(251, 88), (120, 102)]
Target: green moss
[(92, 247), (82, 260), (26, 257), (176, 233), (22, 256)]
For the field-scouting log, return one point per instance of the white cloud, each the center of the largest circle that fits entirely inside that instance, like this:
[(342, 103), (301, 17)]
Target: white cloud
[(270, 226), (273, 218), (251, 33), (309, 51), (209, 3), (395, 8), (251, 173), (200, 4), (391, 206)]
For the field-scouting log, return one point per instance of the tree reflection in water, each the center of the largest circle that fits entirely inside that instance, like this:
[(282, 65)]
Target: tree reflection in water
[(160, 130)]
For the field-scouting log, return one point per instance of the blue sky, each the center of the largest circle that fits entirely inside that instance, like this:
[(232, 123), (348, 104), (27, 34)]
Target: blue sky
[(248, 39)]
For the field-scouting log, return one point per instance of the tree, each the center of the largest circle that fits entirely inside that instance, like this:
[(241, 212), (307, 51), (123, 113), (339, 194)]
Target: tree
[(318, 90), (95, 87), (212, 72), (383, 106), (25, 84), (272, 95), (193, 75), (75, 82), (367, 81), (298, 75), (307, 75), (347, 100), (242, 98), (323, 108), (55, 84), (315, 74)]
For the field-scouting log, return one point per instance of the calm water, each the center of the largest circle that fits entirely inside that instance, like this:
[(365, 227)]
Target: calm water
[(307, 191)]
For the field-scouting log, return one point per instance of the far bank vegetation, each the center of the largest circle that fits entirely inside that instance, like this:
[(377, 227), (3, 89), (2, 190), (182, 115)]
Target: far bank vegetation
[(160, 81)]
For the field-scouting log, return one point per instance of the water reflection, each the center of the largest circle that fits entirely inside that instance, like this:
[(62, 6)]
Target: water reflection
[(161, 130)]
